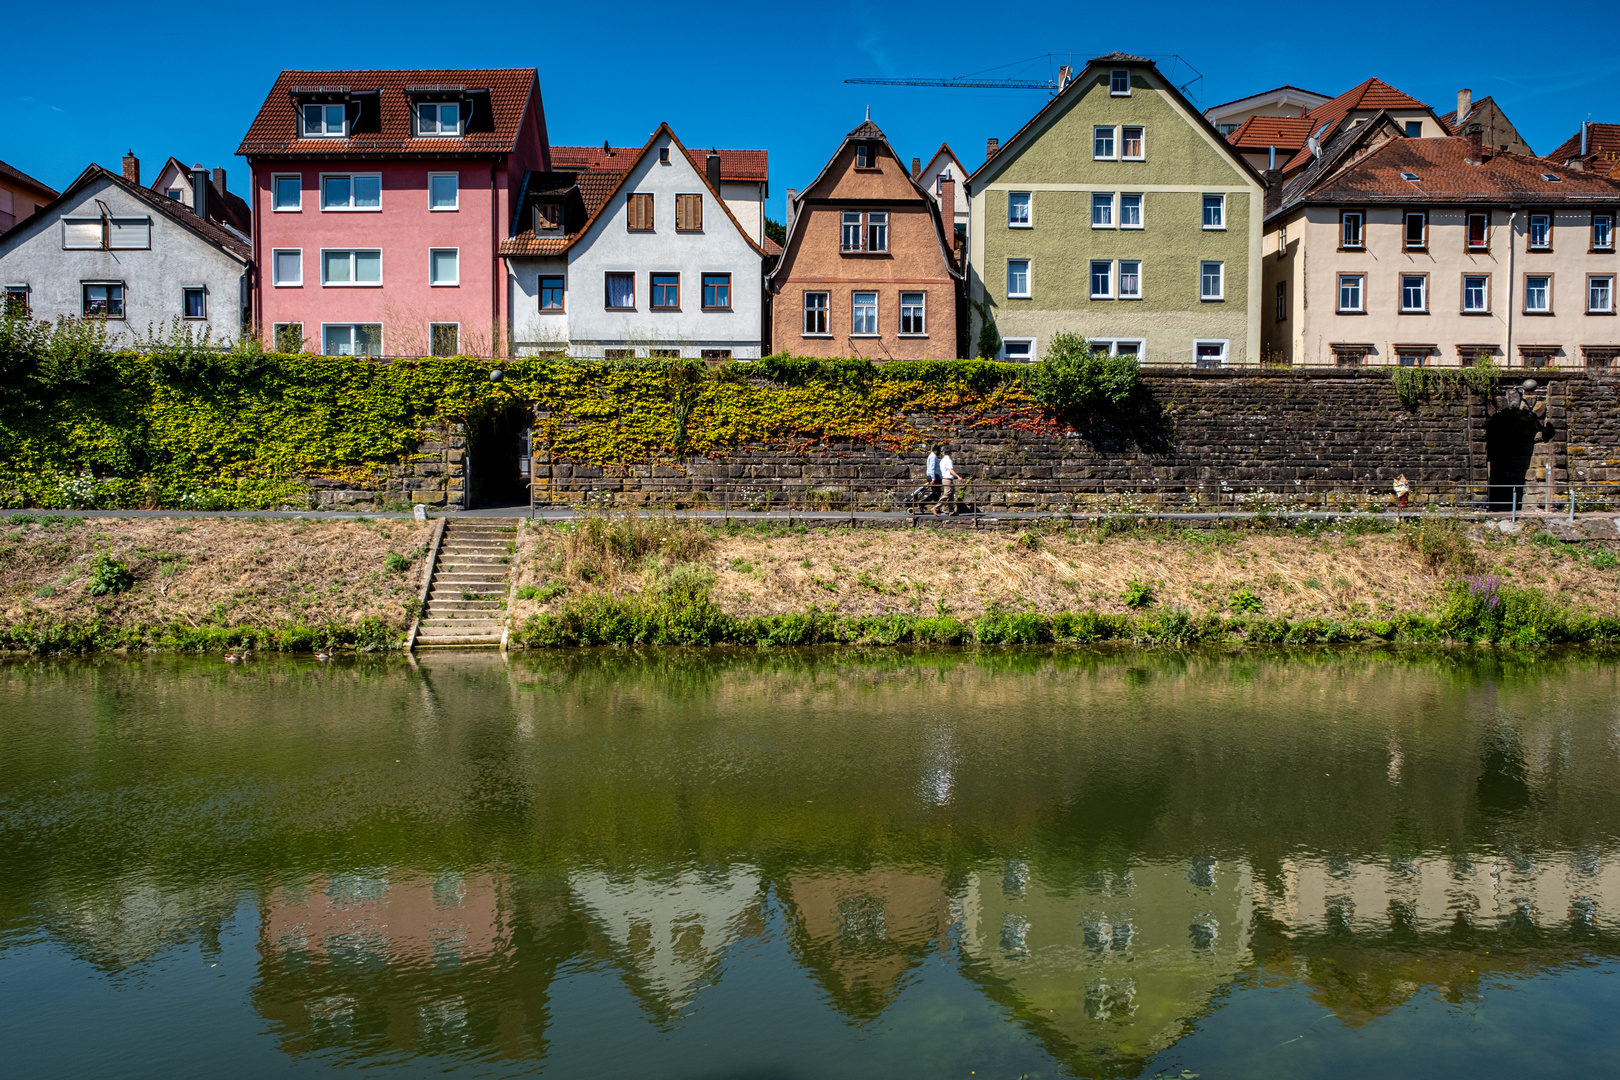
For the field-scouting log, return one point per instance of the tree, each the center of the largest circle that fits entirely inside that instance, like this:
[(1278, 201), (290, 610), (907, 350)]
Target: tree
[(775, 230)]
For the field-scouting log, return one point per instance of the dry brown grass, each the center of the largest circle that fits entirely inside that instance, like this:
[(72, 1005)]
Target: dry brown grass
[(234, 571), (964, 573)]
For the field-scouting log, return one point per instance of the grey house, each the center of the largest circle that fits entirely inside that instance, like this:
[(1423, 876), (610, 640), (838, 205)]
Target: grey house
[(109, 247)]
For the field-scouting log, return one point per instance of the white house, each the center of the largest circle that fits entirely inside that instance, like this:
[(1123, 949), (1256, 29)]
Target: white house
[(109, 247), (943, 166), (648, 261)]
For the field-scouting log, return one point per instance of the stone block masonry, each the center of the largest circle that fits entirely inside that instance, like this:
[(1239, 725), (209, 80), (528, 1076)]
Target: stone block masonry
[(435, 476), (1288, 430)]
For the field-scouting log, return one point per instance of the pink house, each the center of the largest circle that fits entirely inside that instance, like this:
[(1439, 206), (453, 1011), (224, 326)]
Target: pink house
[(380, 199)]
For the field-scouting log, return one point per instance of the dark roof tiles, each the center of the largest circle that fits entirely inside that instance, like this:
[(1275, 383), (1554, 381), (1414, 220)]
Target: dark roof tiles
[(739, 166)]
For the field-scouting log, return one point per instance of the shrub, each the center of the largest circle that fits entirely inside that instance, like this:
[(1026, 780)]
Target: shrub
[(108, 576), (1088, 626), (1442, 546), (1603, 559), (396, 562), (1074, 380), (1138, 594), (1482, 609), (1012, 628), (1245, 602)]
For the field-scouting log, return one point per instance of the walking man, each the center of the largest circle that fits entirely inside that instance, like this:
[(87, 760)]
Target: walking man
[(933, 477), (947, 478)]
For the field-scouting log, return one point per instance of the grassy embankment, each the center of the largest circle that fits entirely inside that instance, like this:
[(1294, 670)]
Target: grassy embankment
[(75, 584), (81, 584), (637, 580)]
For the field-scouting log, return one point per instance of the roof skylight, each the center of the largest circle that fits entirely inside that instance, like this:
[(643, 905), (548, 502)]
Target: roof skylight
[(1552, 178), (1409, 176)]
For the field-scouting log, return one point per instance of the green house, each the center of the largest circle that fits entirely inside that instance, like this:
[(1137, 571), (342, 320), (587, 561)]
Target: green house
[(1121, 214)]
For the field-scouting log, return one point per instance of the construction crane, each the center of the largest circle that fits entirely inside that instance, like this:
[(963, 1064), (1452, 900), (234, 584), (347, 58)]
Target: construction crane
[(1051, 86)]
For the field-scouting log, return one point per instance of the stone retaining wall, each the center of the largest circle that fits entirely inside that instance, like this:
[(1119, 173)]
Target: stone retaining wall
[(435, 475), (1291, 433)]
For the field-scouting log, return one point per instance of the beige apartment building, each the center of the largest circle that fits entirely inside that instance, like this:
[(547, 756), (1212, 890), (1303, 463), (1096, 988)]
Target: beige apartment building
[(1433, 251)]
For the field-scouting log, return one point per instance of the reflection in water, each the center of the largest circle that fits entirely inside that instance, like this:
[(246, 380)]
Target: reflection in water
[(445, 867)]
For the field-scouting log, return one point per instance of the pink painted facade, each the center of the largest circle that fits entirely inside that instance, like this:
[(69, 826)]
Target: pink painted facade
[(397, 289)]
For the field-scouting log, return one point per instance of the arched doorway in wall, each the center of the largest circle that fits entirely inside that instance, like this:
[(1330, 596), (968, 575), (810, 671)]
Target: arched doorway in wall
[(498, 458), (1510, 443)]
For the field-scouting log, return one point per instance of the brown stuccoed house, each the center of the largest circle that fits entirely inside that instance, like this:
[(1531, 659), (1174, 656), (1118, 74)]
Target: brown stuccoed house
[(868, 269)]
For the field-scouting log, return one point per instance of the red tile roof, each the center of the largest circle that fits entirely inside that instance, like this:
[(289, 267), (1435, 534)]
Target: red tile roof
[(1369, 96), (1263, 132), (592, 189), (274, 131), (1602, 148), (1445, 176), (740, 166)]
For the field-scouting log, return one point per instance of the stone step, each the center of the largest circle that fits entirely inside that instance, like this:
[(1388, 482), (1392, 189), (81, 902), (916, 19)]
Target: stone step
[(456, 603), (474, 558), (458, 643), (461, 627), (475, 549)]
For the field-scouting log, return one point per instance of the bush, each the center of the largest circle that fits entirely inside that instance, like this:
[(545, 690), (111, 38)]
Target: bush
[(1482, 609), (1245, 602), (1138, 594), (1074, 380), (396, 562), (1012, 628), (1602, 559), (1441, 544), (108, 576)]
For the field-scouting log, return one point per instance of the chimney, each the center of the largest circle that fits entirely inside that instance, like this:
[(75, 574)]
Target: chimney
[(1465, 104), (990, 148), (1271, 159), (947, 204), (219, 182), (1476, 147), (712, 166), (1065, 73), (792, 195), (1584, 125), (132, 168), (1273, 196), (199, 191), (916, 168)]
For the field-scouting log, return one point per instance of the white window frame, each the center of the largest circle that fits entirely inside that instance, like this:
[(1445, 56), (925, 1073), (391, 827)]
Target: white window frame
[(351, 208), (1592, 279), (922, 314), (1028, 221), (455, 204), (1119, 279), (22, 290), (444, 284), (123, 298), (1224, 343), (877, 325), (1361, 294), (1029, 280), (1530, 233), (438, 108), (1203, 211), (1548, 288), (203, 289), (1114, 344), (1114, 80), (1113, 142), (1018, 341), (457, 325), (1484, 294), (351, 283), (872, 222), (1091, 279), (1141, 209), (826, 315), (1112, 198), (101, 234), (275, 334), (275, 193), (175, 193), (275, 265), (303, 123), (1608, 218), (1423, 290), (1202, 295), (1123, 156), (351, 325)]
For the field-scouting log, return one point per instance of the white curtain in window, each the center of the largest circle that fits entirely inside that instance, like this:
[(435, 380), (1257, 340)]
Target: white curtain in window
[(621, 290)]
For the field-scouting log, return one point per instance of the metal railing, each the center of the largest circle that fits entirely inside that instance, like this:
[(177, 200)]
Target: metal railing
[(852, 497)]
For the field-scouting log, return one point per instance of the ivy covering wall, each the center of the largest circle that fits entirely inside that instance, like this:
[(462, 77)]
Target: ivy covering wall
[(207, 430)]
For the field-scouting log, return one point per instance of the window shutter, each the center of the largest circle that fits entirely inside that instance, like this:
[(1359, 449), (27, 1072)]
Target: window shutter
[(695, 215), (682, 205), (130, 234)]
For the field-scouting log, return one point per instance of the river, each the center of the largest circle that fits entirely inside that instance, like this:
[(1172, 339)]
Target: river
[(812, 864)]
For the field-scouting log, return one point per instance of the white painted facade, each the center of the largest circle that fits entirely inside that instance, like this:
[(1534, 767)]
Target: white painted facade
[(746, 201), (35, 257), (586, 327), (944, 166)]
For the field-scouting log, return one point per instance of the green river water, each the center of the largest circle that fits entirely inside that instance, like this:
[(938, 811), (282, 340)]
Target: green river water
[(816, 864)]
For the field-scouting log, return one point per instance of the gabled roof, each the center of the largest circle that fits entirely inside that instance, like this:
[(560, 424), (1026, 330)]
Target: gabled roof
[(213, 232), (1264, 132), (275, 130), (1283, 91), (231, 209), (22, 179), (1195, 117), (870, 131), (945, 149), (1602, 149), (1366, 97), (736, 166), (1443, 176), (596, 190)]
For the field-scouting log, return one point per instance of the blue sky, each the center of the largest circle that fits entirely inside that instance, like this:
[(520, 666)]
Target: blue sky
[(763, 76)]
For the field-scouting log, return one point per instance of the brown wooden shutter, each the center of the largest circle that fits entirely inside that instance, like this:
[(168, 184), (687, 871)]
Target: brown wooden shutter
[(641, 212), (695, 215)]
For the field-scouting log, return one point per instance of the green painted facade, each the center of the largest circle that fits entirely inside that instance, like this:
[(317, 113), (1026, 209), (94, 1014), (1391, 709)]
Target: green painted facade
[(1182, 161)]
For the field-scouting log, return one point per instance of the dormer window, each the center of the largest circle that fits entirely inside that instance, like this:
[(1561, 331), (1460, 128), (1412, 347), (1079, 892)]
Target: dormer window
[(548, 217), (325, 122), (1119, 82), (863, 156), (439, 120)]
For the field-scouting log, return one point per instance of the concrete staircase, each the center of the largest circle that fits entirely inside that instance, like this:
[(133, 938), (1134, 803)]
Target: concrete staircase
[(470, 581)]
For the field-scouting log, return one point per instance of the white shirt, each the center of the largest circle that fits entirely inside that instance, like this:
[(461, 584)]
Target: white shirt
[(933, 465), (947, 468)]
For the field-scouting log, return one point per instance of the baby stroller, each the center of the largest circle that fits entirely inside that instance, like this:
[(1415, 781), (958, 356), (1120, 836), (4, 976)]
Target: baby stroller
[(917, 501)]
